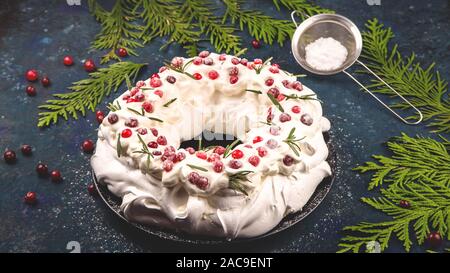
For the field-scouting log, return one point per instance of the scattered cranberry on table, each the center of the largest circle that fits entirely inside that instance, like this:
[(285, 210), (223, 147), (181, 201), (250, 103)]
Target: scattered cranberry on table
[(122, 52), (89, 65), (404, 204), (68, 60), (26, 149), (31, 75), (31, 91), (92, 190), (42, 169), (256, 44), (45, 81), (55, 176), (30, 198), (87, 146), (434, 239), (10, 156)]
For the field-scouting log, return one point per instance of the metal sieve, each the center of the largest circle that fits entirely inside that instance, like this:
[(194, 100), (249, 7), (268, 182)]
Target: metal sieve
[(347, 33)]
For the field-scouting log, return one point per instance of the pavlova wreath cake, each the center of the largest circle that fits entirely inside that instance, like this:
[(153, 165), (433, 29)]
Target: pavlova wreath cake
[(241, 190)]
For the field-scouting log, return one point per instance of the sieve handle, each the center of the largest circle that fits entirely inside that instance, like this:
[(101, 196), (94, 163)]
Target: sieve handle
[(293, 18), (393, 90)]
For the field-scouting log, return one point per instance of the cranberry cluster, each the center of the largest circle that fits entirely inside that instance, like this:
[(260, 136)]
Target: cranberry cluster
[(200, 181)]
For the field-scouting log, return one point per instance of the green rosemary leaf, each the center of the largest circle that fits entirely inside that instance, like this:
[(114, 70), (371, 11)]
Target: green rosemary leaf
[(119, 146), (144, 146), (197, 167), (135, 111), (229, 148), (302, 97), (156, 119), (253, 91), (236, 181), (275, 102), (169, 102)]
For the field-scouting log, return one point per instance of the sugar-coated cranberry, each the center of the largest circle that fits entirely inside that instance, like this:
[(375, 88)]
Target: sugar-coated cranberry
[(140, 84), (152, 144), (42, 169), (154, 131), (88, 146), (288, 160), (219, 150), (126, 133), (280, 97), (132, 123), (157, 153), (193, 177), (434, 239), (257, 139), (197, 76), (159, 93), (148, 107), (169, 154), (274, 130), (155, 82), (213, 157), (222, 57), (155, 75), (202, 183), (10, 156), (168, 165), (89, 65), (306, 119), (234, 71), (171, 79), (139, 97), (272, 143), (237, 154), (161, 140), (100, 119), (201, 155), (68, 60), (256, 44), (234, 79), (30, 198), (297, 86), (274, 69), (122, 52), (284, 117), (203, 54), (296, 109), (142, 131), (162, 69), (274, 92), (254, 160), (55, 176), (218, 166), (31, 90), (269, 82), (208, 61), (26, 149), (31, 75), (177, 62), (262, 152), (181, 156), (213, 74), (235, 61), (286, 83), (190, 150), (244, 61), (235, 164), (257, 61), (113, 118), (197, 61)]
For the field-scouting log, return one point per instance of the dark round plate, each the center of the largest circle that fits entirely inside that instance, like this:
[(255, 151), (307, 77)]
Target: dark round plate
[(113, 202)]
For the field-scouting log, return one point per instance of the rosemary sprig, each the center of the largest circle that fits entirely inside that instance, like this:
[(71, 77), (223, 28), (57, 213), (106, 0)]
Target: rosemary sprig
[(87, 93), (253, 91), (169, 102), (136, 111), (302, 97), (156, 119), (237, 179), (229, 148), (119, 146), (275, 102), (197, 167), (179, 69), (114, 107), (292, 142), (144, 150), (259, 68)]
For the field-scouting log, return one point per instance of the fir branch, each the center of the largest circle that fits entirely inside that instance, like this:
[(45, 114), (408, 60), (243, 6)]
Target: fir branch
[(118, 29), (422, 86), (237, 180), (87, 93), (303, 7), (412, 159), (260, 26)]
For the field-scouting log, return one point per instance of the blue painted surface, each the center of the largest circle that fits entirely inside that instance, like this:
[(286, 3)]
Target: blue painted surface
[(37, 34)]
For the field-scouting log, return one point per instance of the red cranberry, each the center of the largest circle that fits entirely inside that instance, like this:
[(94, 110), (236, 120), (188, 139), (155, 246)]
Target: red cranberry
[(156, 153), (177, 62), (286, 83), (171, 79), (155, 82), (89, 65), (139, 97), (45, 81), (234, 71), (213, 157), (197, 61), (235, 61), (167, 165), (404, 204), (234, 79), (218, 166), (154, 131), (68, 61), (274, 69), (248, 146), (201, 155), (9, 156), (148, 107), (288, 160), (257, 139), (254, 160), (306, 119), (296, 109), (270, 115), (142, 131), (222, 57), (87, 146), (31, 75), (434, 239), (26, 149), (30, 198), (235, 164), (152, 144), (284, 117), (274, 92), (132, 122), (154, 75), (159, 93), (213, 74), (161, 140), (55, 175), (126, 133), (190, 150), (92, 190), (31, 91), (181, 156), (219, 150), (262, 152), (269, 82), (140, 84), (256, 44), (100, 119), (208, 61), (42, 169), (197, 76), (237, 154), (126, 97), (99, 113), (122, 52), (162, 69), (244, 61), (272, 143), (193, 177), (203, 54), (202, 183), (297, 86), (257, 61), (113, 118)]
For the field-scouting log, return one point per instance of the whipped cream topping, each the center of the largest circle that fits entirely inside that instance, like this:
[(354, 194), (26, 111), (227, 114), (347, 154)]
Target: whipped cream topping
[(240, 192)]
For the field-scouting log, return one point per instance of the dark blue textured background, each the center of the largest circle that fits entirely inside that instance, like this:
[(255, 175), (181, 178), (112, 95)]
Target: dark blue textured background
[(37, 34)]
